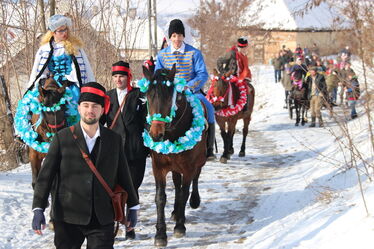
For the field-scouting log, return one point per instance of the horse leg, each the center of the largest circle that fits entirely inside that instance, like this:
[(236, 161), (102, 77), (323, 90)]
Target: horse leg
[(177, 180), (180, 229), (160, 237), (195, 197), (225, 154), (35, 162), (231, 131), (297, 105), (245, 133), (303, 111)]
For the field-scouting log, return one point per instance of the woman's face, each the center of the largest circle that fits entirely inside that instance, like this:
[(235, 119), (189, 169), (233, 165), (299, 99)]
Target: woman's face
[(61, 33)]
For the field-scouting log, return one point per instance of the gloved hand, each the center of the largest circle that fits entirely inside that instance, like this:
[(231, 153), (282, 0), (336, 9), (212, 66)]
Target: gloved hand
[(132, 218), (38, 221)]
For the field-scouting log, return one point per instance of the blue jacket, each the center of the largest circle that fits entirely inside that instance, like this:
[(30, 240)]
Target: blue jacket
[(190, 65)]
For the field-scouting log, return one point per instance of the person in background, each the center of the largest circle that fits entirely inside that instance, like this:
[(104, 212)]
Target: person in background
[(286, 82), (277, 64), (191, 67), (332, 82), (130, 124), (81, 207), (352, 93), (317, 95), (343, 80), (298, 51)]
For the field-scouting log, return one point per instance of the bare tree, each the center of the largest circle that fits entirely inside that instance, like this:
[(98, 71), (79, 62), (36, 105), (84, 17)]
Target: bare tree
[(218, 25)]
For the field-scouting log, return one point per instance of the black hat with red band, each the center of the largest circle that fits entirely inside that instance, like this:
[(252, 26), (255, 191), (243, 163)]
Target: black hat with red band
[(123, 68), (242, 42), (94, 92)]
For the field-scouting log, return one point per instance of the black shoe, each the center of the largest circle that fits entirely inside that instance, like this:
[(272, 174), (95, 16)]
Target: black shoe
[(130, 235), (354, 116)]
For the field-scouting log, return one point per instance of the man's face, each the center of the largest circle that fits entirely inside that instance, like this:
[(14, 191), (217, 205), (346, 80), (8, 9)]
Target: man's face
[(313, 72), (90, 112), (120, 80), (176, 40), (243, 50)]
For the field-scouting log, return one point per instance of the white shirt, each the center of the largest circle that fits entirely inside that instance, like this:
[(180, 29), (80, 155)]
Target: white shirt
[(90, 141), (180, 50), (121, 95)]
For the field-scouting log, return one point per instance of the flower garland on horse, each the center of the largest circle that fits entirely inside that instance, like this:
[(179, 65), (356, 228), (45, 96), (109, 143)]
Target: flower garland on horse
[(231, 109), (192, 136)]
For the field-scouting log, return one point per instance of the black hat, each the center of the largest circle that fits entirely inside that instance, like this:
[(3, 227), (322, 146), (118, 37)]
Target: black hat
[(121, 67), (176, 26), (94, 92), (242, 42)]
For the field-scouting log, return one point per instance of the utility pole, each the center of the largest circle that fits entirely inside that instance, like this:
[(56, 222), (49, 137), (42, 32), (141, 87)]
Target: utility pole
[(154, 15), (150, 27)]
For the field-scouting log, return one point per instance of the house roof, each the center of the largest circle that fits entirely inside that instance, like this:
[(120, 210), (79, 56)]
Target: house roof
[(292, 15), (125, 33)]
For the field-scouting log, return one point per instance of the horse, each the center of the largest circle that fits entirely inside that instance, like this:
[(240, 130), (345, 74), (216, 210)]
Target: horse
[(218, 95), (185, 165), (50, 93), (298, 100)]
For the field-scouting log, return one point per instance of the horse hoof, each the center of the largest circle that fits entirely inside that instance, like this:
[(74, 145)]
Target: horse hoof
[(302, 123), (223, 160), (241, 154), (297, 124), (179, 231), (161, 243)]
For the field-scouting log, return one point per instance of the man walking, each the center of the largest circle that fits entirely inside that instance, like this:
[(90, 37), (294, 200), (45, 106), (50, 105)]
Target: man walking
[(81, 207), (130, 123)]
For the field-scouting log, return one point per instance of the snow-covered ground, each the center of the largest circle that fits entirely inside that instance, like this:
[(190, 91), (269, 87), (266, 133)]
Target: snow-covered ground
[(292, 190)]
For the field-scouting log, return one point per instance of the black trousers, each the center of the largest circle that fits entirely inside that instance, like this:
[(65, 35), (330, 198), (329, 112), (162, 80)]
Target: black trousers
[(70, 236), (137, 169)]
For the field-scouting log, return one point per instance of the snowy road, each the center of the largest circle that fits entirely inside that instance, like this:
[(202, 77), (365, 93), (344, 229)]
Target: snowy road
[(251, 202)]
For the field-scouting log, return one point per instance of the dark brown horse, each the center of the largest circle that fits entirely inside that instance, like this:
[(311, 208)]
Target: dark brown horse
[(298, 101), (52, 121), (227, 124), (186, 165)]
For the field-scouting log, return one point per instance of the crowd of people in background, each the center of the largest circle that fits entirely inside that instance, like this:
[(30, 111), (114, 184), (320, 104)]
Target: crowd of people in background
[(293, 69)]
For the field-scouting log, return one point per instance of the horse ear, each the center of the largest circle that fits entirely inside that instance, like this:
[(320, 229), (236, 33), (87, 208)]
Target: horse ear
[(215, 72), (172, 73), (147, 74), (152, 59)]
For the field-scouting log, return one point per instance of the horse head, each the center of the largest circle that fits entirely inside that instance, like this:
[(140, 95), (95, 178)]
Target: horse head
[(221, 85), (150, 65), (50, 93), (160, 99)]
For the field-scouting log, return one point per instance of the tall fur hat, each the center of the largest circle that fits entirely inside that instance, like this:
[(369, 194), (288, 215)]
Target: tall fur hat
[(176, 26)]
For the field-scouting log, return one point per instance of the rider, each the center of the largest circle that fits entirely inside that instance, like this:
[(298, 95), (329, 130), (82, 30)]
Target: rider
[(236, 60), (191, 67), (61, 56), (298, 72)]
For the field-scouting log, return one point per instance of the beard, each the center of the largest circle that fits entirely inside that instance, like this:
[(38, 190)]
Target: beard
[(90, 121)]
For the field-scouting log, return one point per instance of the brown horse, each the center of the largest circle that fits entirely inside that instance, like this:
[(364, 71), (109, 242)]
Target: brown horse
[(220, 92), (186, 165), (52, 121)]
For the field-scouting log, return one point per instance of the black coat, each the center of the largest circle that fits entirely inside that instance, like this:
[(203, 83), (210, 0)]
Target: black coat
[(76, 192), (320, 83), (130, 123)]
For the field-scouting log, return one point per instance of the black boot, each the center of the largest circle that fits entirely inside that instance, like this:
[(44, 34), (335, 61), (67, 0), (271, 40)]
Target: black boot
[(210, 144), (313, 124)]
